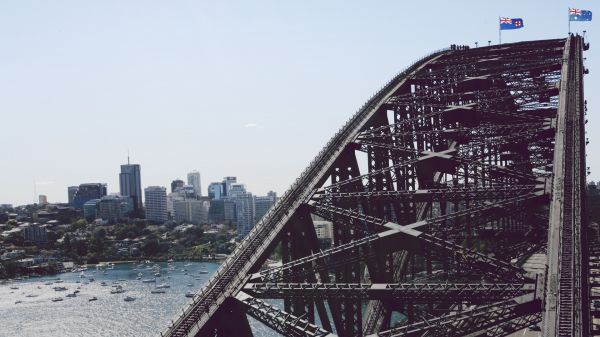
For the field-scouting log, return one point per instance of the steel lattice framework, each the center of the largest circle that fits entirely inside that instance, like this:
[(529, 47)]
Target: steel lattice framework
[(438, 189)]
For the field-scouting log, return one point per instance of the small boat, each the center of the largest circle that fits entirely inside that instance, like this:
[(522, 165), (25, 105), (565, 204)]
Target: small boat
[(48, 283), (93, 299), (60, 288), (103, 284), (17, 302), (190, 295), (14, 288), (57, 299), (157, 291), (32, 295), (203, 271), (91, 279), (59, 281), (117, 290), (72, 295), (76, 292), (163, 286), (138, 278), (150, 280), (129, 299), (157, 274), (190, 284)]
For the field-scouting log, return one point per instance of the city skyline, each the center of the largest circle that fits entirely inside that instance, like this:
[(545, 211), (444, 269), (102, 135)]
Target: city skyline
[(116, 190), (224, 88)]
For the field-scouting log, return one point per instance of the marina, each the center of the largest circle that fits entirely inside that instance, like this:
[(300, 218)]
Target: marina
[(71, 305)]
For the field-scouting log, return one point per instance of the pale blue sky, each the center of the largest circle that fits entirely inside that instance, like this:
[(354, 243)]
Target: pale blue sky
[(177, 82)]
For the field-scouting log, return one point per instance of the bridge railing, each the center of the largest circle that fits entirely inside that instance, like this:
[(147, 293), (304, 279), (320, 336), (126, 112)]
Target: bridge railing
[(282, 206)]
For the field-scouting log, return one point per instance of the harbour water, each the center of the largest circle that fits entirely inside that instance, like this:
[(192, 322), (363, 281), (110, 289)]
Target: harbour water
[(110, 315)]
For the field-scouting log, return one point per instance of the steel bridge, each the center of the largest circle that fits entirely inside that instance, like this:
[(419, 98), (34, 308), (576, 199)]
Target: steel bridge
[(439, 190)]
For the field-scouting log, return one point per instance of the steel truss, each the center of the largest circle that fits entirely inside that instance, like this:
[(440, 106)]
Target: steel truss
[(435, 192)]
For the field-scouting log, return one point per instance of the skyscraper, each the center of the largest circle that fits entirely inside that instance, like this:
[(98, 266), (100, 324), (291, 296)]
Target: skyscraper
[(244, 209), (156, 203), (193, 178), (87, 192), (72, 190), (215, 191), (263, 204), (227, 182), (176, 184), (130, 183)]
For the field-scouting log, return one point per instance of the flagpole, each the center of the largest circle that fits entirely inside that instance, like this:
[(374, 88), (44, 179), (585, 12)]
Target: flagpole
[(569, 17), (499, 32)]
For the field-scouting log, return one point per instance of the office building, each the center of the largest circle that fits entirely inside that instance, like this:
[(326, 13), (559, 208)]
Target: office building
[(262, 205), (156, 203), (193, 178), (35, 233), (130, 184), (171, 198), (43, 200), (87, 192), (114, 208), (227, 182), (244, 209), (215, 191), (193, 211), (177, 184), (71, 191), (90, 209), (187, 191), (222, 211)]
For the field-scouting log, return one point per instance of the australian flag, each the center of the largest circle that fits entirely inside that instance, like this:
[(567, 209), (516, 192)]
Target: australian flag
[(579, 15), (508, 23)]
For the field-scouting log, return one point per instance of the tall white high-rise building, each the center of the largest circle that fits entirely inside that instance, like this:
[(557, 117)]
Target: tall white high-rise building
[(244, 209), (156, 203), (193, 178)]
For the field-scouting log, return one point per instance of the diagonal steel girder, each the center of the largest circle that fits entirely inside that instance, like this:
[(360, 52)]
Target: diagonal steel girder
[(280, 321), (480, 214), (473, 322), (413, 292), (395, 239)]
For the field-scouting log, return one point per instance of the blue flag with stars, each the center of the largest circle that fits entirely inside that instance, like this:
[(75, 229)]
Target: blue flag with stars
[(579, 15), (508, 23)]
